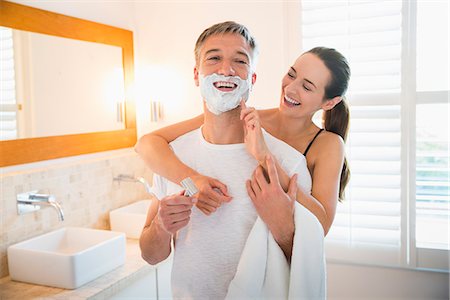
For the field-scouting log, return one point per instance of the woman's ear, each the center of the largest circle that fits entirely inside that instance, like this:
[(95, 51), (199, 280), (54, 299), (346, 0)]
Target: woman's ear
[(330, 103)]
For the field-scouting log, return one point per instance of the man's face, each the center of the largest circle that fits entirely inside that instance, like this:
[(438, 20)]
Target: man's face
[(225, 54)]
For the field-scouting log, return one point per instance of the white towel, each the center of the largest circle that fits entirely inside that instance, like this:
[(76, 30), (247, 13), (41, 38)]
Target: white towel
[(264, 273)]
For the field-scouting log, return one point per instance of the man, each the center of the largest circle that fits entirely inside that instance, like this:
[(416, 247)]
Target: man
[(208, 248)]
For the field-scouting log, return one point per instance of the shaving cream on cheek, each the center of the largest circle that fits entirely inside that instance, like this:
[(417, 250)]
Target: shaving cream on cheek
[(218, 101)]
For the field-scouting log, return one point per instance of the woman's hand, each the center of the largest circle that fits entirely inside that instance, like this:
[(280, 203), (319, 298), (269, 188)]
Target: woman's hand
[(211, 193), (274, 206), (254, 140)]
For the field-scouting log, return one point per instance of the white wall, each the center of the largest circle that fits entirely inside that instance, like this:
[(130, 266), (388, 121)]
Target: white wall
[(356, 282)]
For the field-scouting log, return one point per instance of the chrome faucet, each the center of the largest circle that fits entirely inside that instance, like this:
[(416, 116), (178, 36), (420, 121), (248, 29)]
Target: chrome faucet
[(130, 178), (32, 201)]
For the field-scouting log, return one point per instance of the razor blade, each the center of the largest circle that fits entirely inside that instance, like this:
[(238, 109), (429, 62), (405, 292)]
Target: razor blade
[(189, 186)]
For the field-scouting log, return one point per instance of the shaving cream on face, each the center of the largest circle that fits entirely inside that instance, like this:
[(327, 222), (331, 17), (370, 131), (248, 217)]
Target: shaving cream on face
[(218, 101)]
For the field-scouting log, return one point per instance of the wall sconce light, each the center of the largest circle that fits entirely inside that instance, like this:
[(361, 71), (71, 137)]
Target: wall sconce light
[(119, 111), (156, 111)]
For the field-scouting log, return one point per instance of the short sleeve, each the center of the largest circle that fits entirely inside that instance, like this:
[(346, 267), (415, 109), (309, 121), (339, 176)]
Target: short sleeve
[(159, 186)]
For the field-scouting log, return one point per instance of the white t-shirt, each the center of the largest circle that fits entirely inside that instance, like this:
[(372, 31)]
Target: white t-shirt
[(208, 249)]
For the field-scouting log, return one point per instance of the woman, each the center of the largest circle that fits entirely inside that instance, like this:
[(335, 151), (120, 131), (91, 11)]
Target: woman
[(317, 80)]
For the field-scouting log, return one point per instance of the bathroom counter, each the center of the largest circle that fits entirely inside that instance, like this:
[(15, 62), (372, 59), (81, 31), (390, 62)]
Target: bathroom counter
[(101, 288)]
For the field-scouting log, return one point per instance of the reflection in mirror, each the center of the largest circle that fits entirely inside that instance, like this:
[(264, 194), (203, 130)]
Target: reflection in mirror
[(55, 86), (56, 144)]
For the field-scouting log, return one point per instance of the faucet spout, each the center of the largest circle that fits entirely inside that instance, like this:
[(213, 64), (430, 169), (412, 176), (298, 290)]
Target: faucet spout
[(129, 178), (58, 208), (147, 186)]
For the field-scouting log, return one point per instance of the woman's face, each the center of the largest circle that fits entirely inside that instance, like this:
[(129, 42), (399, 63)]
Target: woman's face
[(303, 87)]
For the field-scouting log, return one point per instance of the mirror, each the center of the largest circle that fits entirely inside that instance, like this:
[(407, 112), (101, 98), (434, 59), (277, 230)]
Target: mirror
[(77, 140), (55, 86)]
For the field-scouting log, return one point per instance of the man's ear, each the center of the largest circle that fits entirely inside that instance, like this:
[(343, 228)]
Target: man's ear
[(253, 78), (196, 76), (330, 103)]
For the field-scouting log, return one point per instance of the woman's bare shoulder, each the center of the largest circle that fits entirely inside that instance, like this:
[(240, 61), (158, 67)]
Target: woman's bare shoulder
[(329, 147), (329, 141)]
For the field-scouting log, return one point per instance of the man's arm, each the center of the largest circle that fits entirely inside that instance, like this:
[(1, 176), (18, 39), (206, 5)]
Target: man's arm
[(164, 219), (323, 198), (274, 206)]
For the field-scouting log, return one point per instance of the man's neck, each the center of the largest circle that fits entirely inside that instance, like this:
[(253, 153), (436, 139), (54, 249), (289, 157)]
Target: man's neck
[(223, 129)]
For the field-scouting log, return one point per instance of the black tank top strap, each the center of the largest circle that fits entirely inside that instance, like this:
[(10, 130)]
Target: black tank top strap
[(312, 141)]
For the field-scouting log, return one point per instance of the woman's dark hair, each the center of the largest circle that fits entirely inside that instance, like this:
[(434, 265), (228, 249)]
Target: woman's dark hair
[(337, 119)]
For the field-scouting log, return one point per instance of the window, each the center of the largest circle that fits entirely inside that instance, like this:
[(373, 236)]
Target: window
[(8, 108), (432, 176), (396, 211), (432, 131)]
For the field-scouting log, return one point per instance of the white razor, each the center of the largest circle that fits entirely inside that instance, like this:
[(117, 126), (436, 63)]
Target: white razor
[(189, 186)]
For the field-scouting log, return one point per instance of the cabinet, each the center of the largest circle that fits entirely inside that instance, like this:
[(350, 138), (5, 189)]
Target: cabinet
[(143, 288), (164, 271), (153, 286)]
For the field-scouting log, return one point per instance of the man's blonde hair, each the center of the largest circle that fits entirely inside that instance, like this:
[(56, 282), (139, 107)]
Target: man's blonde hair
[(228, 27)]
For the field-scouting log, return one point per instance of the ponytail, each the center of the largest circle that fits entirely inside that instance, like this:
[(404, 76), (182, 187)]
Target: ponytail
[(336, 120)]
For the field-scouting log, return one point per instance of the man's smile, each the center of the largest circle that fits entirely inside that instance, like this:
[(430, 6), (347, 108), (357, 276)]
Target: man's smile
[(225, 86)]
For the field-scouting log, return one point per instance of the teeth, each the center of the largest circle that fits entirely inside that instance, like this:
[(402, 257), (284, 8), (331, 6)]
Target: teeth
[(225, 84), (292, 101)]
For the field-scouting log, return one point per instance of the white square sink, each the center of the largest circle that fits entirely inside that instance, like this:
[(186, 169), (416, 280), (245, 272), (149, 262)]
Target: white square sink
[(130, 219), (66, 258)]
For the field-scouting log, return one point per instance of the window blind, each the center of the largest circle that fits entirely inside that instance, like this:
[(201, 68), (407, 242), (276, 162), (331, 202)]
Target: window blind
[(8, 107), (367, 226)]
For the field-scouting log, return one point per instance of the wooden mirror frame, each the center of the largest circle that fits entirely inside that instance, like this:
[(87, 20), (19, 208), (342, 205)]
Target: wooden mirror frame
[(27, 150)]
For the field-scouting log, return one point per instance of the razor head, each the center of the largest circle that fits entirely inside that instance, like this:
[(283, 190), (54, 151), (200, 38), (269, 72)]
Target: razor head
[(189, 186)]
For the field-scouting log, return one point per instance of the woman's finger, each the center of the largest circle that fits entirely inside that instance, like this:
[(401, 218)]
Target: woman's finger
[(243, 105), (251, 121), (206, 208), (222, 188), (216, 196), (245, 110)]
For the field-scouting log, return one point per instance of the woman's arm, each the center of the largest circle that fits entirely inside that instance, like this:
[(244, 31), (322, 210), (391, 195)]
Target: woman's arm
[(155, 145), (154, 149)]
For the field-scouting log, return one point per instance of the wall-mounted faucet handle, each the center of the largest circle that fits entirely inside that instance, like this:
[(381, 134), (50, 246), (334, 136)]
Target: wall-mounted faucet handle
[(32, 201), (125, 177), (36, 198)]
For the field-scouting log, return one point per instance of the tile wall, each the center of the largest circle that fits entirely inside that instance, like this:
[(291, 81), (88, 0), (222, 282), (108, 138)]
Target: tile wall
[(84, 188)]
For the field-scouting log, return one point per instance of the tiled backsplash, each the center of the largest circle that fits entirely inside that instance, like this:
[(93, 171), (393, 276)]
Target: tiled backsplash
[(85, 189)]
